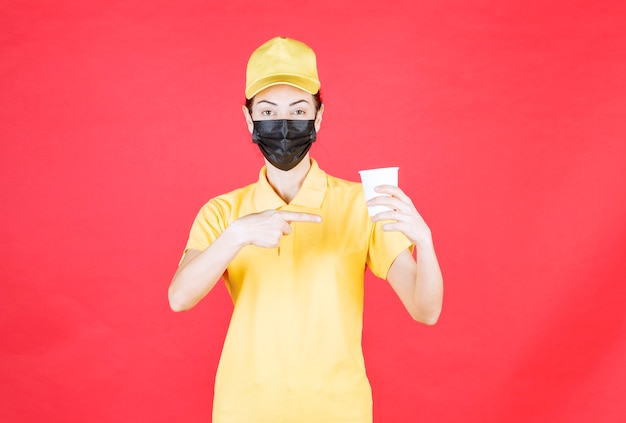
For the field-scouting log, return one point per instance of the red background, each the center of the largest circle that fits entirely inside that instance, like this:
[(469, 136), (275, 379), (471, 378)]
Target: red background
[(118, 120)]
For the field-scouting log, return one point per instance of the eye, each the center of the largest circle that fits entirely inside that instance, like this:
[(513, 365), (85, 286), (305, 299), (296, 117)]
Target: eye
[(299, 112), (266, 113)]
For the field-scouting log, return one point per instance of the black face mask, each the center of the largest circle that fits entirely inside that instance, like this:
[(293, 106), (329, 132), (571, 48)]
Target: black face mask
[(284, 143)]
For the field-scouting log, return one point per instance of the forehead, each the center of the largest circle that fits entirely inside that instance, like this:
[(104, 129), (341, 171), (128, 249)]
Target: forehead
[(283, 94)]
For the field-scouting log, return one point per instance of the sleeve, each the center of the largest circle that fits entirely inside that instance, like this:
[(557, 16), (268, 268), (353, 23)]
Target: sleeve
[(384, 248), (209, 223)]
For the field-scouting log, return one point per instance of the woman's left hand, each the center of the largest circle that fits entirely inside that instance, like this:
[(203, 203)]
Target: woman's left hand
[(404, 214)]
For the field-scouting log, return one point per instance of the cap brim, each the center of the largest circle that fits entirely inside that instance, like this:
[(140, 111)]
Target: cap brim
[(310, 85)]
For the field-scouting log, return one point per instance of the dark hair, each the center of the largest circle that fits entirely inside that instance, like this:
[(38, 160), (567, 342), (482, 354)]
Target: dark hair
[(317, 97)]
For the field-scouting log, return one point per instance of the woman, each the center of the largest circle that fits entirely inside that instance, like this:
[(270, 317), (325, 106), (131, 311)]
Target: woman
[(292, 249)]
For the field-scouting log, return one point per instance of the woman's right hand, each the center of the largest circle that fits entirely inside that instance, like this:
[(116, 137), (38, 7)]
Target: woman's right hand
[(265, 229)]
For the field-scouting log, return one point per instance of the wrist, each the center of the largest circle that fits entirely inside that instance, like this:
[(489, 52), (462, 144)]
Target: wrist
[(235, 235), (424, 242)]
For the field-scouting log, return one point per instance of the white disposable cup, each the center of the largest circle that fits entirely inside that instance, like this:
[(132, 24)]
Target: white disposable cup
[(372, 178)]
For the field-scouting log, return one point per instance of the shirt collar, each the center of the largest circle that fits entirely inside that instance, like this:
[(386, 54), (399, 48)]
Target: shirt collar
[(311, 194)]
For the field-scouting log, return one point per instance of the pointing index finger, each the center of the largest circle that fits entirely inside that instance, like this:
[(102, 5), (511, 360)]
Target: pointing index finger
[(299, 217)]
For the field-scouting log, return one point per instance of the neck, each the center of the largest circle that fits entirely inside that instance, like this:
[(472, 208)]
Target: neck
[(287, 183)]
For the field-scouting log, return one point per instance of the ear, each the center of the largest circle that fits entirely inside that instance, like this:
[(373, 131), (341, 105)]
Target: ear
[(318, 118), (246, 114)]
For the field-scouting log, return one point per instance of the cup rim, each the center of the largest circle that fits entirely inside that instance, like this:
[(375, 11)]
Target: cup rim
[(379, 168)]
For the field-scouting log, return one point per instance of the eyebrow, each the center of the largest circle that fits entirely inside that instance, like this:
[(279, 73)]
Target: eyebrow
[(299, 101), (292, 104)]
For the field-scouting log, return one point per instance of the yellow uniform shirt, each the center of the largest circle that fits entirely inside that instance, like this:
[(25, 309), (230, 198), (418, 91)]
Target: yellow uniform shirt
[(293, 348)]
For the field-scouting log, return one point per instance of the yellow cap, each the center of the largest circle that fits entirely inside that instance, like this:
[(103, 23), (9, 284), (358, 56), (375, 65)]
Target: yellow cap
[(282, 60)]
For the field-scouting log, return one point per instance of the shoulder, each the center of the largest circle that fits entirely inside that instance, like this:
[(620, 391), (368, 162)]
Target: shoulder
[(348, 196), (224, 204), (344, 186)]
